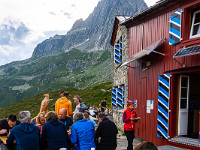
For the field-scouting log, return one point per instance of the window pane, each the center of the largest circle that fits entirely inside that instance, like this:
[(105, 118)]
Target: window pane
[(196, 29), (183, 92), (184, 81), (197, 18), (183, 103)]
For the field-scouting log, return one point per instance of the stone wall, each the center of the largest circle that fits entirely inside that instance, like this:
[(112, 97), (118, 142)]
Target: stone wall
[(120, 75), (118, 118)]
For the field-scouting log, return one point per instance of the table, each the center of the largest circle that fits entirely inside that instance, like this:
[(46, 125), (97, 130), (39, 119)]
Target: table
[(4, 138), (4, 145)]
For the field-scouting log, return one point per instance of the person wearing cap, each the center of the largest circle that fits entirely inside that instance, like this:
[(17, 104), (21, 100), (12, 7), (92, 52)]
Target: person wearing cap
[(129, 119)]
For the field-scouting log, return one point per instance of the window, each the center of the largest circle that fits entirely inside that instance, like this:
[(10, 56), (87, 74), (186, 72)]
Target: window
[(195, 28)]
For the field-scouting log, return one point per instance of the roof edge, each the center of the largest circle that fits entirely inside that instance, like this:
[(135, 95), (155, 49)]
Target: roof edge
[(147, 11)]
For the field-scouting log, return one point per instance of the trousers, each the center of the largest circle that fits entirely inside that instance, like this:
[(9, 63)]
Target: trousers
[(130, 136)]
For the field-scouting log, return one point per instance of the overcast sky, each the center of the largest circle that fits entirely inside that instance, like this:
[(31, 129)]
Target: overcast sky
[(25, 23)]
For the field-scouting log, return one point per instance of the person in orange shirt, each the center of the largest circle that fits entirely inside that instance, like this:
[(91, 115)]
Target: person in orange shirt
[(64, 102)]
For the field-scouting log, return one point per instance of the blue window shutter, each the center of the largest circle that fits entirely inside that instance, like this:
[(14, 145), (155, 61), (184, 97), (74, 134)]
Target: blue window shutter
[(114, 97), (163, 106), (120, 96), (175, 27), (118, 51)]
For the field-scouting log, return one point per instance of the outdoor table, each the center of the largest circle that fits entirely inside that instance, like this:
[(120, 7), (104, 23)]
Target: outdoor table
[(4, 138), (4, 144)]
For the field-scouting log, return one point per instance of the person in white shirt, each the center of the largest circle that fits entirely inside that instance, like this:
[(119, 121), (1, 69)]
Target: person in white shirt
[(80, 106)]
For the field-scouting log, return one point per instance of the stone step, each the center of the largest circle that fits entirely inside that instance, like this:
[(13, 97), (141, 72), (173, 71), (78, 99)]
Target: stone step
[(167, 147)]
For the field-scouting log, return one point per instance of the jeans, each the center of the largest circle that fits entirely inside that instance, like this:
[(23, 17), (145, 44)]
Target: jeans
[(5, 147), (130, 136)]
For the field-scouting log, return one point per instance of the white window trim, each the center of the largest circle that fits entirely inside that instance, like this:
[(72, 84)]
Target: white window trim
[(193, 18)]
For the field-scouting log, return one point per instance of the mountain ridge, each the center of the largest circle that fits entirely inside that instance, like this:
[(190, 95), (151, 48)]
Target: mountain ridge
[(94, 33), (82, 58)]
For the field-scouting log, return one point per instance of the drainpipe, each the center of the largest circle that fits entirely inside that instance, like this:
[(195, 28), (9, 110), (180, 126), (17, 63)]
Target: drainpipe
[(142, 37)]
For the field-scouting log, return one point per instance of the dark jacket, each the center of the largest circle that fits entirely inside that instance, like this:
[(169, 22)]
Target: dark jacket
[(107, 130), (26, 136), (67, 121), (4, 124), (82, 134), (55, 133)]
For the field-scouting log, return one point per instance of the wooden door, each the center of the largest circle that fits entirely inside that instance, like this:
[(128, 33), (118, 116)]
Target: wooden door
[(143, 96)]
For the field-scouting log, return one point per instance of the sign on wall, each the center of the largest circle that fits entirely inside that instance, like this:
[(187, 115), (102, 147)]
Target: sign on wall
[(149, 105)]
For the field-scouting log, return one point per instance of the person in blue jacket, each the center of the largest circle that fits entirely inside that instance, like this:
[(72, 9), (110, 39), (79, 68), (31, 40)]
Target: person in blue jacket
[(82, 133), (54, 133), (26, 134)]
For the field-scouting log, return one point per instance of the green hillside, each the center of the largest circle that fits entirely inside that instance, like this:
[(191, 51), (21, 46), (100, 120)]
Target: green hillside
[(92, 95), (73, 69)]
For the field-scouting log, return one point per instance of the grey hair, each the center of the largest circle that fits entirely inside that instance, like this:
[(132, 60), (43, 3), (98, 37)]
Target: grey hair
[(24, 116), (78, 116), (64, 109)]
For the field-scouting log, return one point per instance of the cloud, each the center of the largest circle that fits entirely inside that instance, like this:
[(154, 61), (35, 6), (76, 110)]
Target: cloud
[(12, 31), (52, 13), (16, 40), (68, 15), (73, 5), (9, 53), (22, 26)]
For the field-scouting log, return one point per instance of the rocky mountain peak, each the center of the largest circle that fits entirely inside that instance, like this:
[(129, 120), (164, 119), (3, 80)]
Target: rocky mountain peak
[(95, 32)]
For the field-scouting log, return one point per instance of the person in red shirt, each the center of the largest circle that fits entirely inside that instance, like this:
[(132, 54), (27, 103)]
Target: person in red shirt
[(129, 119)]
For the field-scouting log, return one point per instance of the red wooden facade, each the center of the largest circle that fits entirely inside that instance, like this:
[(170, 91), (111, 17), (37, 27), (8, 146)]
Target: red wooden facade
[(143, 85)]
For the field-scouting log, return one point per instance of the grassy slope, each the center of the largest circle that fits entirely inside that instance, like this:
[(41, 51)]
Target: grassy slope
[(92, 95), (75, 69)]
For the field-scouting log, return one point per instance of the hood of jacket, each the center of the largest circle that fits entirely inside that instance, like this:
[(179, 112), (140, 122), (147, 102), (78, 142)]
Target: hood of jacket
[(55, 122), (27, 127), (62, 100)]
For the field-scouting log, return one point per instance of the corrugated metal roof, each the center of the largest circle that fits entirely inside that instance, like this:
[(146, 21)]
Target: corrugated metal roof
[(159, 4), (123, 18), (143, 52)]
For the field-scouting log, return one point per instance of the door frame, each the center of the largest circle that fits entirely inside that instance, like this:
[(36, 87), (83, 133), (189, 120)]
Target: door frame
[(179, 104)]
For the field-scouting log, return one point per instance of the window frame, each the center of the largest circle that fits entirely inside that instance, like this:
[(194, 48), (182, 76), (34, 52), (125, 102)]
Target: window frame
[(192, 25)]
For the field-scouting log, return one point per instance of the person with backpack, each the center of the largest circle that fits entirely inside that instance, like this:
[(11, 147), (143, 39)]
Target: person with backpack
[(64, 102), (80, 106)]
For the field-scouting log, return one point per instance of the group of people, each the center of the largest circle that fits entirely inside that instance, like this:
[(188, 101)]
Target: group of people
[(65, 129), (62, 128)]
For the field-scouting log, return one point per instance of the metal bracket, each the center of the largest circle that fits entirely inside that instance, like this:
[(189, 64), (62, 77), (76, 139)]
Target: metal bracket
[(159, 53), (131, 67), (145, 69), (179, 62)]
